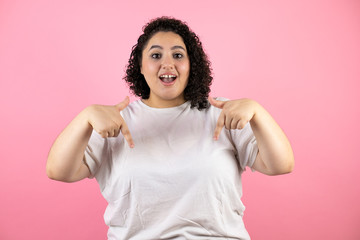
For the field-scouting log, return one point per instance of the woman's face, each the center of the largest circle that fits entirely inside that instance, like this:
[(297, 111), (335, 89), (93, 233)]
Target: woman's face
[(166, 66)]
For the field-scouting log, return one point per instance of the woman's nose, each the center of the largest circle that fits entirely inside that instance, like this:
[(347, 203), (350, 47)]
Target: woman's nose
[(167, 62)]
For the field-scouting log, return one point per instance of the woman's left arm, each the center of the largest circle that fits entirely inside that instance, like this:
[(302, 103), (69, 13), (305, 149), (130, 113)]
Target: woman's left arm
[(275, 154)]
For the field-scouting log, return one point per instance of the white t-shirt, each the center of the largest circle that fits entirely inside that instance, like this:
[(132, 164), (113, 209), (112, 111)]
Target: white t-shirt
[(177, 182)]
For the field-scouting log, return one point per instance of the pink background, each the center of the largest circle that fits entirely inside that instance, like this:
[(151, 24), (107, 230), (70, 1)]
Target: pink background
[(299, 59)]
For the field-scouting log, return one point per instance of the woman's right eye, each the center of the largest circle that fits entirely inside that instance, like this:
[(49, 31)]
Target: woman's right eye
[(156, 55)]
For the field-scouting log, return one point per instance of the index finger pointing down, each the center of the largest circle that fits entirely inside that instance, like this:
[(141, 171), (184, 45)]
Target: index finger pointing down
[(219, 125), (127, 135)]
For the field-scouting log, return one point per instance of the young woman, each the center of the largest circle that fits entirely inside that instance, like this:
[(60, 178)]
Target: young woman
[(170, 164)]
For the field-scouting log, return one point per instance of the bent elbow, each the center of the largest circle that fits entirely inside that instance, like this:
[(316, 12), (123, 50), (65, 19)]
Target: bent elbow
[(291, 164), (53, 174), (284, 171), (291, 167), (288, 167)]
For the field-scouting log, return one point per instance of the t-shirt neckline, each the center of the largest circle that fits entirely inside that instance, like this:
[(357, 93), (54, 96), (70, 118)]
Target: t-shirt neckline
[(169, 109)]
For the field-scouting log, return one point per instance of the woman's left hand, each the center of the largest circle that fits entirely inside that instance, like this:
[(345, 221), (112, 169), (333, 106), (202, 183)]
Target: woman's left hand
[(235, 114), (275, 154)]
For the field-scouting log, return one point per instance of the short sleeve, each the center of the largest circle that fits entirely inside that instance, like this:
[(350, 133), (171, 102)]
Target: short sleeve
[(246, 146), (96, 152)]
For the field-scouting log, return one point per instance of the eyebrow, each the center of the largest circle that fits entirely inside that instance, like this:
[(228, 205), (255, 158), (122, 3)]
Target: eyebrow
[(160, 47)]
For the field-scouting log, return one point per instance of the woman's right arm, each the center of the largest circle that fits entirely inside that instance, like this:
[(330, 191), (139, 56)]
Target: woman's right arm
[(66, 157)]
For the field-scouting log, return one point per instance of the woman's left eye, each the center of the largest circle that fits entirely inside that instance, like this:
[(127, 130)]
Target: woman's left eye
[(178, 55)]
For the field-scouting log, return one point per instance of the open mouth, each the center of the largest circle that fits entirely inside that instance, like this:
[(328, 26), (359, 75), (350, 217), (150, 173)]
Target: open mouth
[(167, 78)]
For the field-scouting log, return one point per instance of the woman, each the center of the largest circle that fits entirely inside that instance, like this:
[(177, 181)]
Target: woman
[(173, 172)]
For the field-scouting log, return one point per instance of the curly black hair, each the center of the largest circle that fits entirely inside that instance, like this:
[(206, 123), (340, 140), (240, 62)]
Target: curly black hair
[(200, 77)]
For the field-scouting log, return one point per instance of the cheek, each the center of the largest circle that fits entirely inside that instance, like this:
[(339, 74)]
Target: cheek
[(184, 67), (148, 67)]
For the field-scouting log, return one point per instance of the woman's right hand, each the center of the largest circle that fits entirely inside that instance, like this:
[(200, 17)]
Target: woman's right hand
[(107, 121)]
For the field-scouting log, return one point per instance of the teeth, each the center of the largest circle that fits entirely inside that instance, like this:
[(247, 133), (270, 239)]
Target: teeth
[(167, 76)]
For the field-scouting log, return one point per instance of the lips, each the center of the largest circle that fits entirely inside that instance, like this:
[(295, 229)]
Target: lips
[(167, 78)]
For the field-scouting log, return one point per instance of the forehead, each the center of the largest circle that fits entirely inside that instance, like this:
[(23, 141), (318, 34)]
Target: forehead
[(165, 39)]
